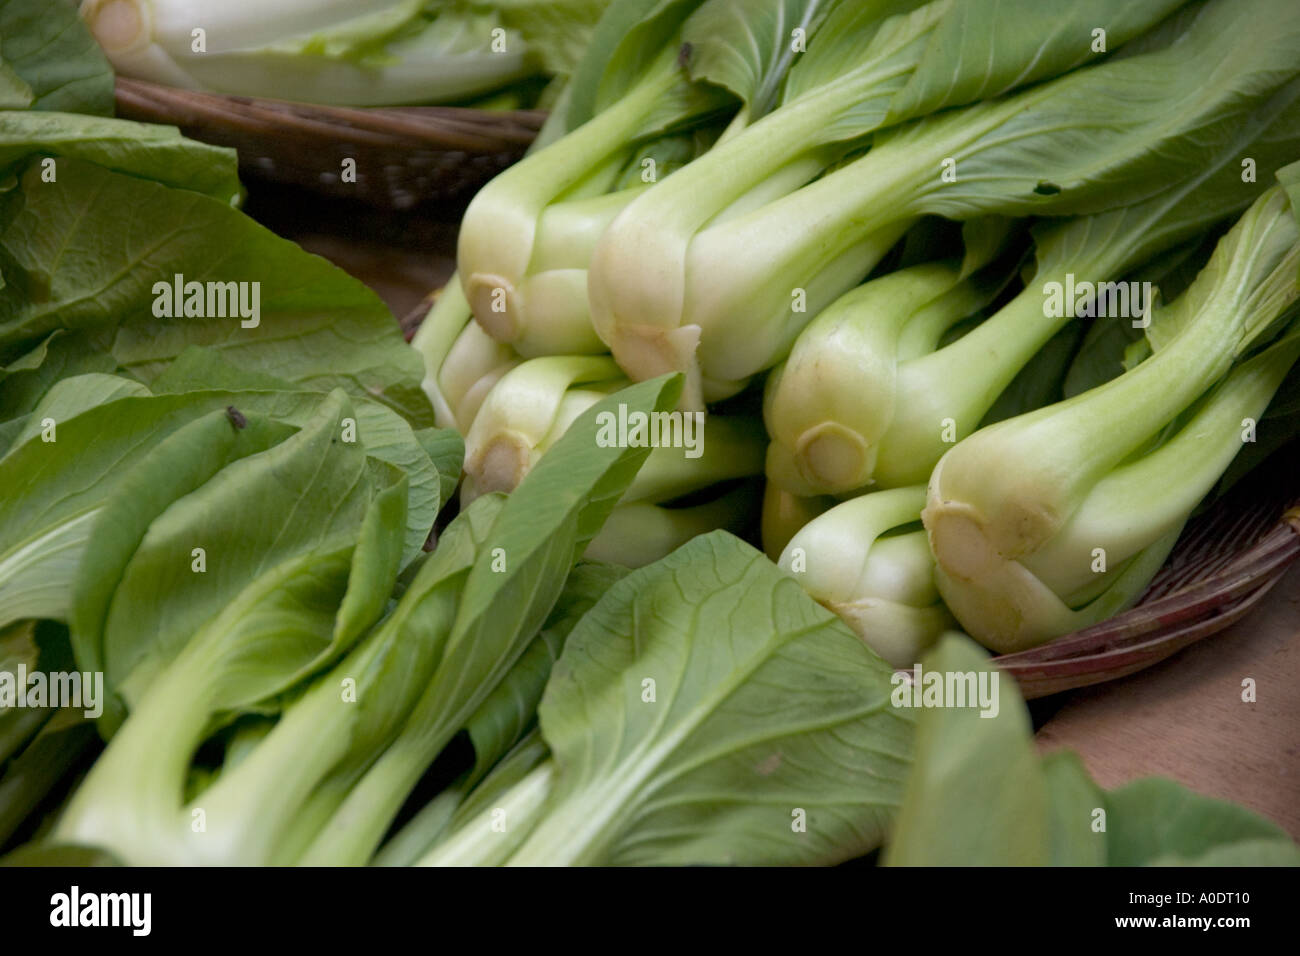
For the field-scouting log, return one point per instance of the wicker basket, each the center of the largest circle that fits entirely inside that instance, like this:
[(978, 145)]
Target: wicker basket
[(1227, 559), (405, 156)]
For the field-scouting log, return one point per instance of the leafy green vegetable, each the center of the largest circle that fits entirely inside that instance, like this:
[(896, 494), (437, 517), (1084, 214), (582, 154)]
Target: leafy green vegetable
[(390, 53), (979, 795), (1155, 822), (81, 257), (706, 711), (542, 530), (59, 64), (720, 306), (128, 442), (1058, 518), (158, 153), (976, 793)]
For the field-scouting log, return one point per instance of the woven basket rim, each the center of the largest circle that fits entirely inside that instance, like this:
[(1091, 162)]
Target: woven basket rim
[(447, 127)]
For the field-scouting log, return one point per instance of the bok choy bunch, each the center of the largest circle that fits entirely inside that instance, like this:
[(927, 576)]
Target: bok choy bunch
[(342, 52), (1059, 518), (700, 299), (516, 256), (328, 701), (1101, 137), (872, 394)]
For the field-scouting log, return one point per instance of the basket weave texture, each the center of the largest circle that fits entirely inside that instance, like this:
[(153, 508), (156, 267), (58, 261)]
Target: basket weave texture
[(404, 156)]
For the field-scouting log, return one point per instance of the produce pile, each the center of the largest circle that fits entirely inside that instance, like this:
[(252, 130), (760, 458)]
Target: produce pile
[(331, 599)]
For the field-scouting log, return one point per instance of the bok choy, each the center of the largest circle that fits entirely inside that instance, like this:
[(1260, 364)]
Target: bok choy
[(1059, 518), (1101, 137), (342, 52)]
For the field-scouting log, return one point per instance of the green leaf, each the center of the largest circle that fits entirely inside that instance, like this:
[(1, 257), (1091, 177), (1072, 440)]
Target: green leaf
[(543, 528), (175, 467), (878, 40), (70, 397), (1073, 800), (1068, 133), (345, 733), (1261, 852), (1154, 819), (26, 781), (45, 526), (60, 855), (392, 674), (747, 47), (146, 150), (28, 378), (976, 795), (307, 494), (625, 42), (18, 648), (446, 450), (769, 738), (507, 712), (430, 457), (977, 52), (15, 94), (44, 42), (526, 755), (86, 256), (557, 32), (918, 59)]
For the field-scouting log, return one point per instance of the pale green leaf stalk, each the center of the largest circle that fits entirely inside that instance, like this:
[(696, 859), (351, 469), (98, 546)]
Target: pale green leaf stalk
[(1032, 519), (855, 561), (828, 406), (641, 532), (521, 410), (490, 838), (534, 404), (872, 70), (335, 730), (462, 363), (499, 233), (532, 292), (533, 407), (1098, 138)]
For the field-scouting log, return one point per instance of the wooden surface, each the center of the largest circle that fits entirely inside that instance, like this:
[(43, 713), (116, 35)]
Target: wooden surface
[(1183, 718)]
